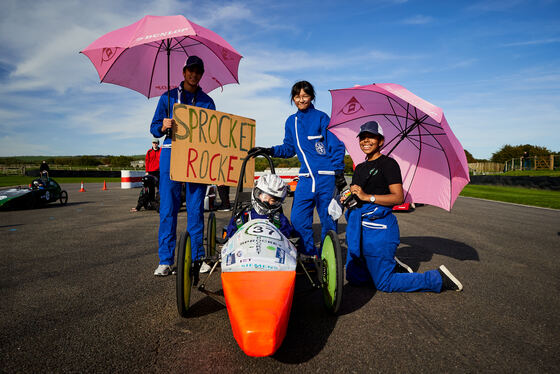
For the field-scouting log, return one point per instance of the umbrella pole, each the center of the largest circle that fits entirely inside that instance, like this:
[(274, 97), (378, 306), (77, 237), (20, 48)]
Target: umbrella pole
[(168, 131)]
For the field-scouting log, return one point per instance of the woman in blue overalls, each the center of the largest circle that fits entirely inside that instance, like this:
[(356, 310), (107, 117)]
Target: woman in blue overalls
[(322, 162), (372, 233)]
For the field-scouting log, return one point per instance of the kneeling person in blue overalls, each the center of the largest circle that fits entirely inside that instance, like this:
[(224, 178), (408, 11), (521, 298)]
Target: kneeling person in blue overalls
[(266, 203), (189, 93), (372, 232)]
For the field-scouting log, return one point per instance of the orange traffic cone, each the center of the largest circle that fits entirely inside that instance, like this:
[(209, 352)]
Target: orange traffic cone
[(104, 186), (82, 189)]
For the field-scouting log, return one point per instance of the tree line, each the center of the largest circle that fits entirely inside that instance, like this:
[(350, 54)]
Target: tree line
[(507, 152), (74, 161)]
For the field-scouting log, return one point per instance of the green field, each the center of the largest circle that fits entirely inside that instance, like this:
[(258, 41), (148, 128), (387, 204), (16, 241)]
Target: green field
[(531, 173), (517, 195), (15, 180)]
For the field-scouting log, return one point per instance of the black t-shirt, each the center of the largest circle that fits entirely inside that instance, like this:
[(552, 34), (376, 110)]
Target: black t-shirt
[(375, 176), (43, 167)]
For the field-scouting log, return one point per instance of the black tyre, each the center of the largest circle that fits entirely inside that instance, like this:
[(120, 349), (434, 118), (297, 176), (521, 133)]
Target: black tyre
[(184, 274), (211, 235), (63, 197), (333, 272), (31, 202)]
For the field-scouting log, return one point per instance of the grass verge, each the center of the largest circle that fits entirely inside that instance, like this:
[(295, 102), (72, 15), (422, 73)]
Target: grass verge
[(531, 173), (517, 195)]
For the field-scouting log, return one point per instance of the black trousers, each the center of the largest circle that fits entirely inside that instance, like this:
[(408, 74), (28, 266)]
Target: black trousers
[(223, 191)]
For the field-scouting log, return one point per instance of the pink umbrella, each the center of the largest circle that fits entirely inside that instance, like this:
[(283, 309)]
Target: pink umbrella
[(148, 55), (432, 161)]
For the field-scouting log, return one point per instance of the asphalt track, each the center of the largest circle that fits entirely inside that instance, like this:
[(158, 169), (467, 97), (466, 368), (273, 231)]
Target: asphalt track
[(78, 295)]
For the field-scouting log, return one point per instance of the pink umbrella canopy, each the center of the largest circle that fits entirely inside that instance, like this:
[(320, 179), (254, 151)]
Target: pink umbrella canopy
[(140, 56), (432, 161)]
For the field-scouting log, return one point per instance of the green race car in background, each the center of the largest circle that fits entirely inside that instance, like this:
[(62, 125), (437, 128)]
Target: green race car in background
[(41, 192)]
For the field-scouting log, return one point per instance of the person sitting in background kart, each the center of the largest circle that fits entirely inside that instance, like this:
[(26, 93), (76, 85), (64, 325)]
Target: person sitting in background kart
[(38, 184), (266, 202)]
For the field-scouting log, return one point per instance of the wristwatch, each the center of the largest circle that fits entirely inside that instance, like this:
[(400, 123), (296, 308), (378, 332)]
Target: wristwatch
[(372, 199)]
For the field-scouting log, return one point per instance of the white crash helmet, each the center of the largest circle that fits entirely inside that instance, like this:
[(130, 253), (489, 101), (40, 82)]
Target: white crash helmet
[(272, 185)]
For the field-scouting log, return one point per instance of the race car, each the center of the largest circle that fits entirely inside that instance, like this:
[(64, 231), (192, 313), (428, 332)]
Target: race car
[(40, 192), (405, 207), (292, 185), (258, 273)]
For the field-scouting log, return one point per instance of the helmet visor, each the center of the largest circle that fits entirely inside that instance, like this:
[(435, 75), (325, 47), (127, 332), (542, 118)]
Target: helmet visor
[(266, 202)]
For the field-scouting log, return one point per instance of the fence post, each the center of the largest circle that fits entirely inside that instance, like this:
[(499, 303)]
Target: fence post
[(535, 163), (551, 166)]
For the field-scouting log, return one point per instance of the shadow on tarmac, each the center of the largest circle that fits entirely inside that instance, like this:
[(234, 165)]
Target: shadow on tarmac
[(14, 225), (419, 249), (310, 325), (205, 306)]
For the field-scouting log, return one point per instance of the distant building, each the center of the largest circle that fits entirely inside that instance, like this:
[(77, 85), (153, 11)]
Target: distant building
[(137, 164)]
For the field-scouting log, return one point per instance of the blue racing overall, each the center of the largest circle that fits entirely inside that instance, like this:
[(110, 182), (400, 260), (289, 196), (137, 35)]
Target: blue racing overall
[(170, 190), (321, 155), (372, 236), (278, 219)]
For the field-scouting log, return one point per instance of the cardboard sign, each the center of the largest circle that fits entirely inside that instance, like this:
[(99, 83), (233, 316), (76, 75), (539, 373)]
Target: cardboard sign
[(209, 146)]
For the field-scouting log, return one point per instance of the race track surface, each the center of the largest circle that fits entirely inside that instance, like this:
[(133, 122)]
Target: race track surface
[(78, 295)]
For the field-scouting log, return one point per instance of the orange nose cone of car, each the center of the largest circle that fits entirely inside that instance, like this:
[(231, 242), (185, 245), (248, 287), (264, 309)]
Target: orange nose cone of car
[(259, 304)]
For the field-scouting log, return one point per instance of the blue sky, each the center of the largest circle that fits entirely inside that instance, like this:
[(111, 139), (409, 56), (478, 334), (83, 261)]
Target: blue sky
[(493, 66)]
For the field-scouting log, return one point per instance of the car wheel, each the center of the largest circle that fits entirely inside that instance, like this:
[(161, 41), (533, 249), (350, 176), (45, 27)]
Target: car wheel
[(184, 274), (333, 272)]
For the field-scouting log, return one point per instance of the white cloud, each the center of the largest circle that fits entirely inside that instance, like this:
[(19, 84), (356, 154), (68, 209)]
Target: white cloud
[(19, 145), (532, 42), (418, 20)]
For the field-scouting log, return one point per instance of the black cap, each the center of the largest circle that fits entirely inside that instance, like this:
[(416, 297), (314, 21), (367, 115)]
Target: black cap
[(372, 127), (193, 61)]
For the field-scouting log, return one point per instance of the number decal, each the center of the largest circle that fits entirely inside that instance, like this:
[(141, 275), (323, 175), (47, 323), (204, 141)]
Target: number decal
[(263, 230)]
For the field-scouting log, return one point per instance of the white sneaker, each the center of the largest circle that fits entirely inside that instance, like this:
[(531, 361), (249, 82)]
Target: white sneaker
[(162, 270), (449, 281), (205, 268)]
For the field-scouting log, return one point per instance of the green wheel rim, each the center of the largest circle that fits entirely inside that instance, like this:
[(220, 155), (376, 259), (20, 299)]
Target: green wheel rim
[(329, 275), (184, 276)]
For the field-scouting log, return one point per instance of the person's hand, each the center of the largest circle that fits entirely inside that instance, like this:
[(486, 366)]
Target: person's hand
[(259, 150), (168, 123), (339, 180), (357, 190)]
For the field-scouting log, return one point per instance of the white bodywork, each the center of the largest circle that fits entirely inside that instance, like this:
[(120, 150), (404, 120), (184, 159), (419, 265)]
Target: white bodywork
[(258, 245)]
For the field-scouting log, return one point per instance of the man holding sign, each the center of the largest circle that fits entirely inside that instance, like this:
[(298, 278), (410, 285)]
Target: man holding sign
[(189, 93)]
